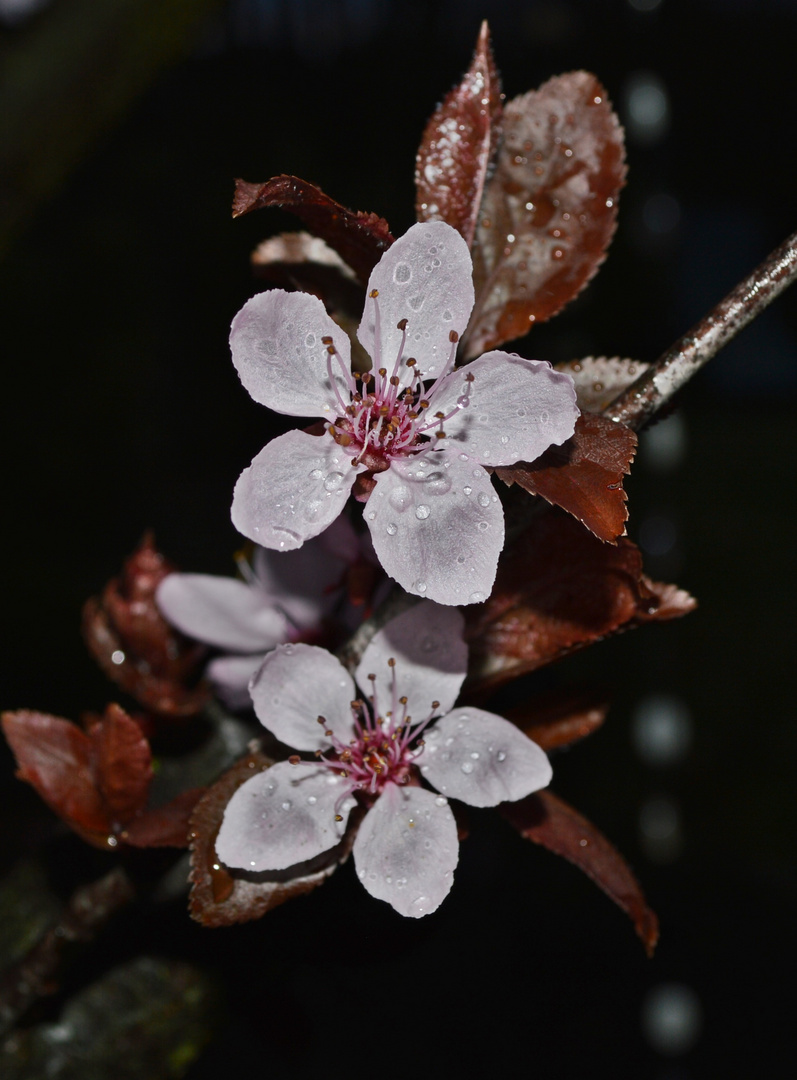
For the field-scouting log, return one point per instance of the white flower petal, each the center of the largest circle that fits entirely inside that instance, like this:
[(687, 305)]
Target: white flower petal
[(277, 352), (438, 527), (302, 582), (431, 659), (425, 277), (294, 686), (407, 849), (518, 408), (295, 487), (231, 675), (221, 611), (281, 817), (482, 759)]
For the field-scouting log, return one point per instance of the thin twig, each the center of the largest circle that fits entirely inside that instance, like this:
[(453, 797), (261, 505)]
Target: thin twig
[(37, 974), (689, 353)]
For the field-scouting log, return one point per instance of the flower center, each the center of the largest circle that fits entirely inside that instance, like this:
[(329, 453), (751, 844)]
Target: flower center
[(387, 418), (384, 746)]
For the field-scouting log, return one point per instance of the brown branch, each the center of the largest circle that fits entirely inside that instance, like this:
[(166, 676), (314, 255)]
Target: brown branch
[(36, 974), (668, 374)]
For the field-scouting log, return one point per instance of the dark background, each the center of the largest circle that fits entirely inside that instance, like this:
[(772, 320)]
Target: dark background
[(122, 411)]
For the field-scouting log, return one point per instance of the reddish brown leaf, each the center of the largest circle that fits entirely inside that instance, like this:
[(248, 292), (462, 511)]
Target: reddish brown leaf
[(600, 379), (549, 210), (122, 765), (304, 263), (54, 756), (165, 826), (560, 718), (459, 144), (585, 475), (559, 588), (551, 822), (359, 238), (219, 898), (136, 647)]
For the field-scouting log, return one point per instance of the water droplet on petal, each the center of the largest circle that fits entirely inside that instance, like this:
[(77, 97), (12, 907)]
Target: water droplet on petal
[(402, 273), (467, 767), (416, 302), (422, 512), (476, 598), (400, 497), (286, 805), (333, 481), (420, 586), (467, 489), (500, 756), (484, 499), (312, 800), (309, 341), (316, 474), (483, 526), (391, 529)]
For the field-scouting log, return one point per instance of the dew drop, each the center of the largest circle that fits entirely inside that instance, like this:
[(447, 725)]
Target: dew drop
[(460, 559), (371, 515), (312, 509), (521, 412), (475, 755), (476, 598), (361, 875), (400, 497), (312, 800), (447, 316), (504, 439), (477, 473), (316, 474), (309, 341), (391, 529), (416, 302), (333, 481), (483, 499), (467, 767), (402, 274), (286, 805), (420, 586), (463, 457), (483, 526), (467, 489), (422, 512), (500, 756)]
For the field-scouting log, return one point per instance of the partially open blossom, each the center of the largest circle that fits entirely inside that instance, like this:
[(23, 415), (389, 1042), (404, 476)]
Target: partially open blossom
[(282, 598), (379, 750), (411, 437)]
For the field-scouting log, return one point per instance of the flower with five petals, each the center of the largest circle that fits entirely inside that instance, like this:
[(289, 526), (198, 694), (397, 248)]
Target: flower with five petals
[(369, 750), (411, 437)]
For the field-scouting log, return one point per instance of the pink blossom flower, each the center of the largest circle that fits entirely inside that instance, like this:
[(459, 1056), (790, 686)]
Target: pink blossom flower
[(416, 452), (283, 598), (371, 751)]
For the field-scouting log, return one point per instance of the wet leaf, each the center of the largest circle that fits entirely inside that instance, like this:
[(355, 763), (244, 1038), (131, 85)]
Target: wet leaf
[(459, 144), (136, 647), (165, 826), (549, 211), (122, 764), (550, 821), (146, 1020), (559, 588), (560, 718), (359, 238), (55, 757), (585, 475), (304, 263), (221, 898), (600, 379)]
